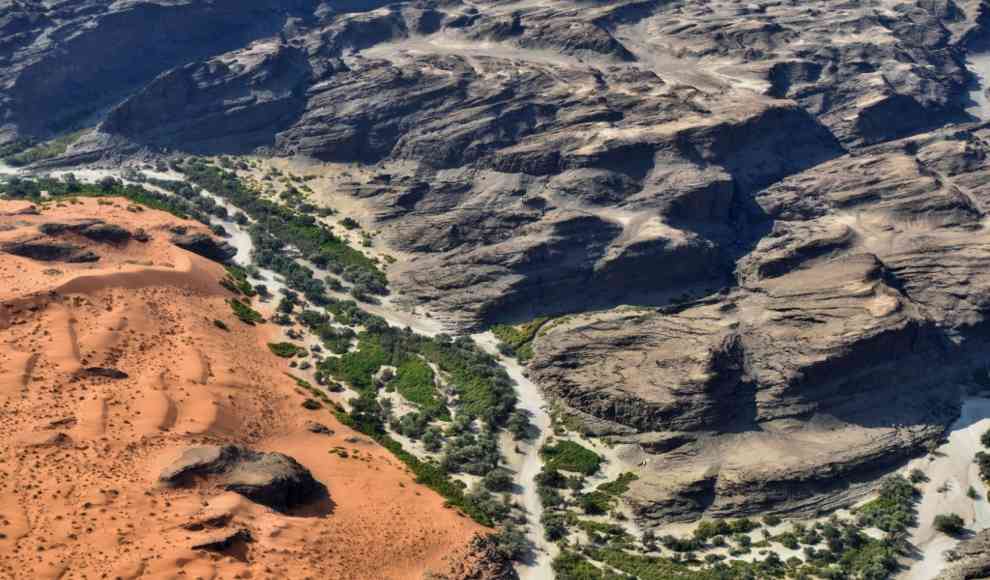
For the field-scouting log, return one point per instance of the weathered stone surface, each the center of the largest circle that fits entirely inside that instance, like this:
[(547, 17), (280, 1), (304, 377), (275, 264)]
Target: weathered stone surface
[(63, 62), (206, 246), (318, 428), (973, 559), (839, 348), (272, 479), (93, 229), (46, 250), (482, 562)]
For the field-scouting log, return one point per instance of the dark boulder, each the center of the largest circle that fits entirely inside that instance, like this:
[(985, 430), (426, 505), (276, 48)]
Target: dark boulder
[(95, 230), (48, 251), (318, 428), (206, 246), (272, 479), (224, 541), (105, 372)]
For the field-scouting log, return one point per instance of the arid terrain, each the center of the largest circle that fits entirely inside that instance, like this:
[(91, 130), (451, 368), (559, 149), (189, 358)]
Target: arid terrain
[(664, 289), (111, 369)]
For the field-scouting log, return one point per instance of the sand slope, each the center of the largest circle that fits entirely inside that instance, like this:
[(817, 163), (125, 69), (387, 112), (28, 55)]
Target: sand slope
[(80, 453)]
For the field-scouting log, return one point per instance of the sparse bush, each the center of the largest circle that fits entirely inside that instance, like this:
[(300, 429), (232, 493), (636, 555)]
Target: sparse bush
[(498, 480), (512, 543), (245, 313), (285, 349), (917, 476), (951, 524)]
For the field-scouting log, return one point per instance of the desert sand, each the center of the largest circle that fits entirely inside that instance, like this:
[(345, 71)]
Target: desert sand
[(80, 452)]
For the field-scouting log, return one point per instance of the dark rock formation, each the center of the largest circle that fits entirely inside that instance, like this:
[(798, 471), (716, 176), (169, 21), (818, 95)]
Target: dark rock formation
[(840, 347), (206, 246), (222, 542), (63, 62), (104, 372), (318, 428), (272, 479), (95, 230), (235, 102), (46, 250)]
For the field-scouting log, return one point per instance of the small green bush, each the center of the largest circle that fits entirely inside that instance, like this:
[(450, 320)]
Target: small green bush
[(619, 485), (285, 349), (245, 313), (951, 524), (570, 456)]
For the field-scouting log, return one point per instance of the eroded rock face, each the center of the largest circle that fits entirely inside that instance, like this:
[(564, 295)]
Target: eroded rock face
[(272, 479), (973, 561), (482, 562), (95, 230), (614, 160), (206, 246), (65, 61), (46, 250), (841, 346)]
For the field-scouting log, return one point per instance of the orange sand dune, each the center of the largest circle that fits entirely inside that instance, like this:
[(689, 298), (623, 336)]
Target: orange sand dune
[(80, 454)]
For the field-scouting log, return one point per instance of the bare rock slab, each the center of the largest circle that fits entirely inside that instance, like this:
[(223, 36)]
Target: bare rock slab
[(272, 479)]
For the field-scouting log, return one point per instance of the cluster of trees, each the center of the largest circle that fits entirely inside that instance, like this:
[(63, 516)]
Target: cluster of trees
[(301, 230)]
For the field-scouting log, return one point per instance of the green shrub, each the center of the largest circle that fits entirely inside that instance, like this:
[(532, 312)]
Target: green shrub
[(498, 480), (570, 565), (951, 524), (917, 476), (221, 325), (619, 485), (245, 313), (285, 349), (517, 340), (236, 281), (893, 509), (415, 381), (289, 226), (595, 503), (511, 542), (570, 456), (43, 151), (983, 461)]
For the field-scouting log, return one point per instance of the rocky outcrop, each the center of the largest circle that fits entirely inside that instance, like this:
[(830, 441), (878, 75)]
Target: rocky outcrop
[(206, 246), (235, 102), (840, 347), (970, 560), (95, 230), (224, 541), (272, 479), (47, 250), (62, 63), (481, 562)]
